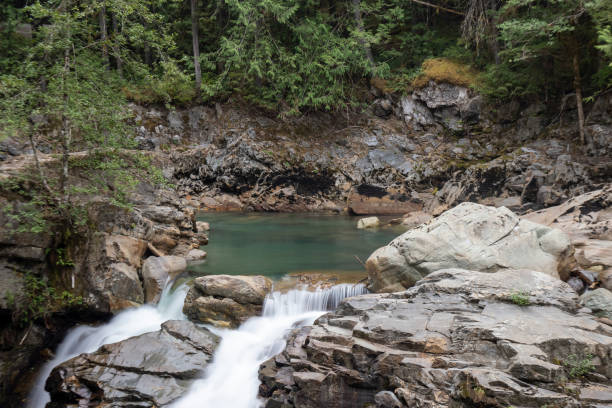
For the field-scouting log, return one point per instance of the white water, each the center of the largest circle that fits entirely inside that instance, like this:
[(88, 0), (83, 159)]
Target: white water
[(231, 380), (86, 339)]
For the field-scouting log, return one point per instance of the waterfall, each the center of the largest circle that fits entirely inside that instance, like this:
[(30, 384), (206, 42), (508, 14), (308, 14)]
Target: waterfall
[(237, 359), (231, 380), (299, 301), (129, 323)]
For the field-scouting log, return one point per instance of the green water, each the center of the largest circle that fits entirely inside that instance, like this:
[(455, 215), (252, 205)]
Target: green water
[(279, 244)]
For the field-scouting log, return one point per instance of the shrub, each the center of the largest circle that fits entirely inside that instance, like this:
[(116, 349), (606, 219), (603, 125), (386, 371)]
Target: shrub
[(520, 298), (578, 366)]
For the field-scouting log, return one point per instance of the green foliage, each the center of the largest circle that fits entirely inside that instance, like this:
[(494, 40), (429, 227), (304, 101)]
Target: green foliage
[(578, 366), (539, 41), (520, 298), (39, 300), (25, 217), (62, 258)]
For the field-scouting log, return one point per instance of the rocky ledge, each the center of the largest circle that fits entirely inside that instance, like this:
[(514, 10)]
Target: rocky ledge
[(458, 338), (149, 370)]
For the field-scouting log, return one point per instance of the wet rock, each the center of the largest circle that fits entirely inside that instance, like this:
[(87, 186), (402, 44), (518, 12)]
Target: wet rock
[(226, 300), (156, 271), (469, 236), (455, 339), (150, 370), (368, 222), (599, 301)]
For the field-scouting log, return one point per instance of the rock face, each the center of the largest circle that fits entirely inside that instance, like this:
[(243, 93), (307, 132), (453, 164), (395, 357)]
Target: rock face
[(156, 270), (456, 339), (226, 300), (470, 236), (150, 370)]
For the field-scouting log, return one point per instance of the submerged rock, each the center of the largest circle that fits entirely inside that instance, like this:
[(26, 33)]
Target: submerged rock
[(458, 338), (150, 370), (226, 300), (474, 237)]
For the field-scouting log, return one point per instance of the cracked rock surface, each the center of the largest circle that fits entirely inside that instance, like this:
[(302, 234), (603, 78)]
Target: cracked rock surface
[(457, 338), (150, 370)]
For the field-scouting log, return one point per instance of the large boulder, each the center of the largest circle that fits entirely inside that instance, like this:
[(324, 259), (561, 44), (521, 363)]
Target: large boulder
[(458, 338), (157, 271), (150, 370), (470, 236), (226, 300)]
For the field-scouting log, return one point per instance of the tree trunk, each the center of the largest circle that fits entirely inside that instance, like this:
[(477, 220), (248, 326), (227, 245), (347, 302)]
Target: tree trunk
[(41, 174), (359, 24), (66, 133), (585, 140), (103, 35), (115, 46), (196, 46), (494, 33), (147, 47)]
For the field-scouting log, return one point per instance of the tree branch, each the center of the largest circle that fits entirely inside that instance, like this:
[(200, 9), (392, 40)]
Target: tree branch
[(459, 13)]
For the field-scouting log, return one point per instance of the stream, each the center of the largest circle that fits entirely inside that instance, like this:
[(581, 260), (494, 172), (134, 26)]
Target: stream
[(244, 244)]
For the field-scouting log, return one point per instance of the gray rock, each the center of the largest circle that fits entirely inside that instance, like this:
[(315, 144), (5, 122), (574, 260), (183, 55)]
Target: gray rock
[(416, 113), (150, 370), (469, 236), (599, 301), (455, 339), (157, 271), (226, 300), (175, 120)]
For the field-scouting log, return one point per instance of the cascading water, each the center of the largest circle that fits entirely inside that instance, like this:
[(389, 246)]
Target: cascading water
[(236, 360), (86, 339), (231, 381)]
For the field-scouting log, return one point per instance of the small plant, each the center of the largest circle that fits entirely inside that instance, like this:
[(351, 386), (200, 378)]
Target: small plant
[(520, 298), (39, 300), (578, 366)]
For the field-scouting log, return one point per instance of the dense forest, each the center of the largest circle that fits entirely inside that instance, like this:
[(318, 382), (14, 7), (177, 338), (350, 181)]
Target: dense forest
[(69, 67), (289, 56)]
